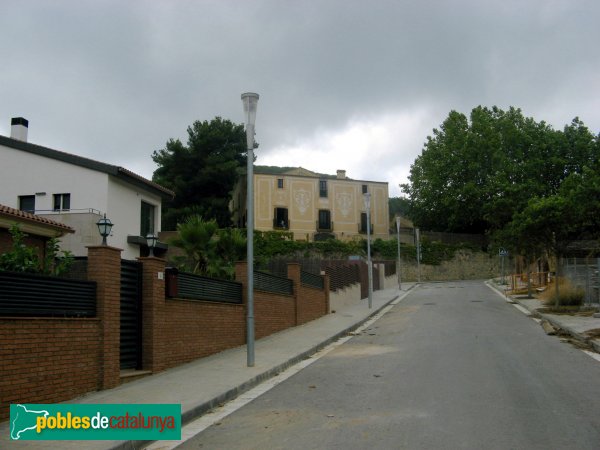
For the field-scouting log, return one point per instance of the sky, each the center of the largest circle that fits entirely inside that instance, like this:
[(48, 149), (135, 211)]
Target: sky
[(343, 84)]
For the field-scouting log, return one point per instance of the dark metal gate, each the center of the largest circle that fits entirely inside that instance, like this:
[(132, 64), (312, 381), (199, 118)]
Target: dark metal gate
[(131, 315)]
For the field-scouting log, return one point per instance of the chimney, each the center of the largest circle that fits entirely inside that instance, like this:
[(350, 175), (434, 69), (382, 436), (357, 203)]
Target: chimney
[(18, 128), (341, 174)]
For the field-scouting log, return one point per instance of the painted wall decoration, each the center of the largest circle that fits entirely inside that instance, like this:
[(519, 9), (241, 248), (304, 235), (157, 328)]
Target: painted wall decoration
[(302, 198), (344, 203)]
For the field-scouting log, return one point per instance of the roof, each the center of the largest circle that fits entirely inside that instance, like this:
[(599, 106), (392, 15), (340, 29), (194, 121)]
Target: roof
[(302, 172), (116, 171), (16, 215)]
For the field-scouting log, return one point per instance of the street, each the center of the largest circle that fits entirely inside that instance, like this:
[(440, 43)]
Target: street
[(451, 366)]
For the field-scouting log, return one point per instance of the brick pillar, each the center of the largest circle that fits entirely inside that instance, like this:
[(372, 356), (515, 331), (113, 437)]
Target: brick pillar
[(104, 267), (293, 273), (154, 348)]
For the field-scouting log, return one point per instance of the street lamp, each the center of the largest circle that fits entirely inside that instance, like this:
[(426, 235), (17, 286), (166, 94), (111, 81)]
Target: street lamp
[(151, 240), (399, 260), (418, 243), (250, 101), (367, 199), (104, 226)]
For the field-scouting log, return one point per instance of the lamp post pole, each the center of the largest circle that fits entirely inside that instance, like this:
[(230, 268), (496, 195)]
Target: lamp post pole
[(399, 260), (250, 101), (418, 239), (367, 198)]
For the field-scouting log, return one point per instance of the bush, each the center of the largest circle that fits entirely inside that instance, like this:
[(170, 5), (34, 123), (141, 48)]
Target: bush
[(22, 258), (568, 295)]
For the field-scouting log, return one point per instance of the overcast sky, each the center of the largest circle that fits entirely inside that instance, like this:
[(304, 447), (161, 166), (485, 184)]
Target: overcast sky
[(343, 84)]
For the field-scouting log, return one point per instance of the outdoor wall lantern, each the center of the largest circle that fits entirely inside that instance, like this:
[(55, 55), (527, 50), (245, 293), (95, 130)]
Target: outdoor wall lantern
[(151, 240), (104, 227)]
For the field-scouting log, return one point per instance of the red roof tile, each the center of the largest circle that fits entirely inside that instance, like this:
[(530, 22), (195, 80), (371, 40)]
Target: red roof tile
[(28, 217)]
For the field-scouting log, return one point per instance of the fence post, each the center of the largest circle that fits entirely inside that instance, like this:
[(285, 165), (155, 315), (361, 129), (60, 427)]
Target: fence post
[(154, 346), (104, 267), (293, 273), (326, 287)]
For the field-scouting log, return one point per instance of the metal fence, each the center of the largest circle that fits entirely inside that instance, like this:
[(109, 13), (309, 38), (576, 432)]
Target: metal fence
[(583, 273), (29, 295), (196, 287), (272, 283), (312, 280)]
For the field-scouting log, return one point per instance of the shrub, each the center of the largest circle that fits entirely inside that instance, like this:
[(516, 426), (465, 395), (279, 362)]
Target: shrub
[(568, 295)]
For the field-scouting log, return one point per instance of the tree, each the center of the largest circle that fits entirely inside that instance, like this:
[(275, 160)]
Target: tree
[(399, 205), (474, 174), (209, 250), (203, 173)]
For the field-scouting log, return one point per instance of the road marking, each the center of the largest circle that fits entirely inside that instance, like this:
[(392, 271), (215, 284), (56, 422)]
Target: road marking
[(523, 310), (596, 356), (202, 423)]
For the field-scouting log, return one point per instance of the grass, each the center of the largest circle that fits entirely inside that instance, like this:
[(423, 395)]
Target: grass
[(568, 295)]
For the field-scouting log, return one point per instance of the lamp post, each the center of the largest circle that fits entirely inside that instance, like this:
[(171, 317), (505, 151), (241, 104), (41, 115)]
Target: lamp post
[(418, 239), (399, 260), (250, 101), (151, 240), (104, 226), (367, 199)]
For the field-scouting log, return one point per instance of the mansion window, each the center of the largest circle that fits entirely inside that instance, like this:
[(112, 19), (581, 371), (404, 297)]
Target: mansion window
[(365, 188), (280, 219), (324, 220), (280, 183), (363, 222), (322, 188)]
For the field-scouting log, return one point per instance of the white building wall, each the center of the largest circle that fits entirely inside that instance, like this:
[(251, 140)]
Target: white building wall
[(23, 173), (125, 211)]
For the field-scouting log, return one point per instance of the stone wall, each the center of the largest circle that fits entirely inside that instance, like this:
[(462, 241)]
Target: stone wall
[(466, 265)]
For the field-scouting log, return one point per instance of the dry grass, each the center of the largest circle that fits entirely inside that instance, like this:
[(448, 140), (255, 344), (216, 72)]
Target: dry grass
[(568, 295)]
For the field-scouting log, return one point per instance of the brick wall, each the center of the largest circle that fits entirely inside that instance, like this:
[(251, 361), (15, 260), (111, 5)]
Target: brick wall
[(47, 360)]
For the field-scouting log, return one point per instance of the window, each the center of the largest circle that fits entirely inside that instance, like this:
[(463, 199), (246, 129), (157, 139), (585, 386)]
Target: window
[(147, 219), (280, 183), (62, 202), (27, 203), (363, 222), (324, 220), (280, 219), (365, 188), (322, 188)]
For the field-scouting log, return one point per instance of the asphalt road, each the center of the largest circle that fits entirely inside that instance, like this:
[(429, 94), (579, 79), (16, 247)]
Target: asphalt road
[(452, 366)]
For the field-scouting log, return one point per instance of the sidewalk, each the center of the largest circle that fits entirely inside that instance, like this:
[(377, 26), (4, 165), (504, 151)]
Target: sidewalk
[(576, 326), (203, 384)]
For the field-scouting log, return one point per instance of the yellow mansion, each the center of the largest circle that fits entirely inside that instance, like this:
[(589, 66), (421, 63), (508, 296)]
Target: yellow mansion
[(311, 205)]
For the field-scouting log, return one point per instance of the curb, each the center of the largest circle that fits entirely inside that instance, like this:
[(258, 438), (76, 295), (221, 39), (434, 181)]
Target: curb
[(593, 343), (199, 410)]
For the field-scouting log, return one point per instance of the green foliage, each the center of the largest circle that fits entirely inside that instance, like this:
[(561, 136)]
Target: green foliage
[(22, 258), (268, 244), (203, 173), (432, 252), (475, 174), (208, 250), (399, 205)]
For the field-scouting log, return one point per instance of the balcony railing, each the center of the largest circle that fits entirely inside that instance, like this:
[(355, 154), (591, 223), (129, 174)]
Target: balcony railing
[(363, 230), (282, 225), (324, 226)]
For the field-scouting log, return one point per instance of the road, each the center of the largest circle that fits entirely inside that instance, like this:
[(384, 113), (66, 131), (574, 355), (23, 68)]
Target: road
[(452, 366)]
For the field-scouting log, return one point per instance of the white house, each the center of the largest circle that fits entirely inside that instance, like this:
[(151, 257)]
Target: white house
[(78, 192)]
